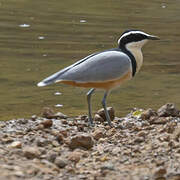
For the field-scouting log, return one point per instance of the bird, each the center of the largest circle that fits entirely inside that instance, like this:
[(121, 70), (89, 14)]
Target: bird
[(105, 70)]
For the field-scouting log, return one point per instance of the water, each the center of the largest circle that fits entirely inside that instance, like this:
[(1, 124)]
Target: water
[(38, 38)]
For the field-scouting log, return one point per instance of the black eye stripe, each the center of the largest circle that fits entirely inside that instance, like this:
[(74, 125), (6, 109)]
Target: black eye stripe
[(133, 38)]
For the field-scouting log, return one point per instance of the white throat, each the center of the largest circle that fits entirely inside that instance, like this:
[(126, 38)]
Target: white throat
[(135, 49)]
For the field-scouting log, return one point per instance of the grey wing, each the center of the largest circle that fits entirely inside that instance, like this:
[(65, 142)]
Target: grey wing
[(57, 76), (105, 66), (99, 67)]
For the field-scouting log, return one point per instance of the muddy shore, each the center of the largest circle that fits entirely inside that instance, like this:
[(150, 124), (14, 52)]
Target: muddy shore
[(141, 146)]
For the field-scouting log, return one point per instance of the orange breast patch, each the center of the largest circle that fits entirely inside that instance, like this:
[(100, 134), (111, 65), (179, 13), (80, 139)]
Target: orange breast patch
[(100, 85)]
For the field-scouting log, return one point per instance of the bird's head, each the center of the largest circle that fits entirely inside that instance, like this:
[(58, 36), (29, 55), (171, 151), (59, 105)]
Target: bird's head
[(135, 39)]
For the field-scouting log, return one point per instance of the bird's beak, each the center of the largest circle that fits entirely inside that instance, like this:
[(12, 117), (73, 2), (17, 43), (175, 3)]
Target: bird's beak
[(151, 37)]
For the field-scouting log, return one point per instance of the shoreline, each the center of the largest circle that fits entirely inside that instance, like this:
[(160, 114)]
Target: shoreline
[(144, 143)]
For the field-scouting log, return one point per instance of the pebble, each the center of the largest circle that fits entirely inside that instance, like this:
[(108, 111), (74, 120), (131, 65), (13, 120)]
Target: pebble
[(111, 132), (158, 120), (60, 138), (60, 115), (60, 162), (116, 150), (51, 156), (160, 172), (7, 140), (81, 140), (168, 109), (102, 140), (47, 123), (98, 118), (33, 117), (108, 166), (55, 143), (48, 113), (98, 133), (31, 152), (75, 157), (147, 114), (22, 121), (64, 133), (39, 127), (110, 111), (176, 134), (19, 174), (64, 121), (42, 142), (142, 134), (15, 144), (139, 139)]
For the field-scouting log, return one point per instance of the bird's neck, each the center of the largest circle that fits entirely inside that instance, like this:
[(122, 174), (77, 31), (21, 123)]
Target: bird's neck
[(133, 50), (137, 53)]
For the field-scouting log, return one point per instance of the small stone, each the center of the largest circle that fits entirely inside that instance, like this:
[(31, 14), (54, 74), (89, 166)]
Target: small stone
[(19, 174), (31, 152), (47, 123), (33, 117), (158, 120), (48, 113), (60, 115), (82, 140), (139, 140), (102, 140), (98, 118), (83, 117), (39, 127), (80, 127), (174, 177), (15, 144), (111, 132), (110, 111), (141, 134), (7, 140), (22, 121), (60, 162), (178, 151), (75, 157), (147, 114), (51, 156), (168, 109), (55, 143), (64, 121), (60, 138), (116, 150), (104, 158), (160, 172), (176, 134), (98, 133), (108, 166), (41, 142), (64, 133)]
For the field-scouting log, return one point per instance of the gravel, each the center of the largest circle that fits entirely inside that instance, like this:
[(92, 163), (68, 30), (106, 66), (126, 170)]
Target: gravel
[(145, 144)]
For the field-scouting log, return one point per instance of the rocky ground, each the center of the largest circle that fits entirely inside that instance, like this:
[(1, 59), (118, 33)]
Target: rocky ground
[(141, 146)]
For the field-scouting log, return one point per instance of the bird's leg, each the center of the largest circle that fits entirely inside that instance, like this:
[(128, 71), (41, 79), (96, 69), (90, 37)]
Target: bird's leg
[(105, 108), (89, 106)]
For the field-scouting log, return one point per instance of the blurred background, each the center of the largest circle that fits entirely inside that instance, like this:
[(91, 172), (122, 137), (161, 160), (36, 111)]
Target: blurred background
[(38, 38)]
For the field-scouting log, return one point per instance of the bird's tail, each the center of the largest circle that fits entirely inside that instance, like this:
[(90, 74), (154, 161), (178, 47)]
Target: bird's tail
[(56, 77)]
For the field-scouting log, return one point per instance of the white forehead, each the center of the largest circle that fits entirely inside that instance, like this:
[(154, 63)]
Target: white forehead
[(132, 32)]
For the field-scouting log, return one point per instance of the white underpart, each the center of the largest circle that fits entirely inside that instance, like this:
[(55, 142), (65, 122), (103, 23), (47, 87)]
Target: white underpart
[(135, 49), (132, 32)]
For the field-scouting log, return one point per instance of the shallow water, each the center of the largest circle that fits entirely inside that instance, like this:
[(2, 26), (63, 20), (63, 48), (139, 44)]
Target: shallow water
[(38, 38)]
